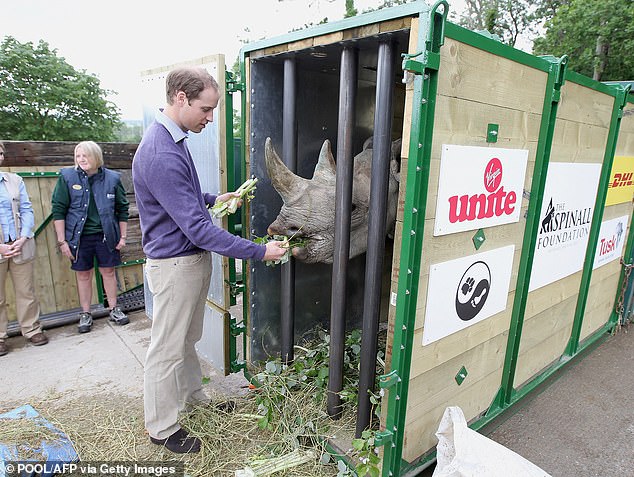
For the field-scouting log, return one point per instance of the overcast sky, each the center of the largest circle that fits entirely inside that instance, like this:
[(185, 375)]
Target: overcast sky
[(117, 39)]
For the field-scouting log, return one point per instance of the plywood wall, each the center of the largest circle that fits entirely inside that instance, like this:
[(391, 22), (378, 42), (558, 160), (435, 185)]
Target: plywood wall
[(605, 280), (476, 88), (580, 136), (55, 282)]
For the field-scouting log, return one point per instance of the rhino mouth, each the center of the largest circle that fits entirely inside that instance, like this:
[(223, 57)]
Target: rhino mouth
[(300, 253)]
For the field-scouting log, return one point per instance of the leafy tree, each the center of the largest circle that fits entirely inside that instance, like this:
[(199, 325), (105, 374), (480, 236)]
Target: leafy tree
[(42, 97), (129, 131), (351, 11), (506, 19), (388, 4), (597, 36)]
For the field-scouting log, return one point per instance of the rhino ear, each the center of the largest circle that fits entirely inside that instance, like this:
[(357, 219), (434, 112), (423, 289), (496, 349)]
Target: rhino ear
[(284, 181), (326, 168), (396, 150)]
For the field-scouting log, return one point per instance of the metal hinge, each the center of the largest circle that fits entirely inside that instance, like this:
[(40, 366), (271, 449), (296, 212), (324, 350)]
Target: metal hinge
[(388, 380), (235, 288), (429, 58), (383, 437), (236, 329), (233, 85)]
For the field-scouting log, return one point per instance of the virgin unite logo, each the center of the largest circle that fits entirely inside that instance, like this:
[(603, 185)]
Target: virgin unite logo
[(480, 206)]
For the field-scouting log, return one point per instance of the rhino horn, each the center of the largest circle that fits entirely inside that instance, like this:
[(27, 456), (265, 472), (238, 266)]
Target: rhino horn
[(285, 182), (326, 168)]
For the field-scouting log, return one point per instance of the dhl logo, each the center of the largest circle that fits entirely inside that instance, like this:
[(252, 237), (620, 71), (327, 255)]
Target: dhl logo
[(621, 180)]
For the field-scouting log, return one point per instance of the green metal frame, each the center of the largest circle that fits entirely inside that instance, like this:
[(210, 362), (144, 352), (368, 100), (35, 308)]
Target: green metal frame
[(430, 39), (232, 86), (424, 65), (620, 101), (547, 127), (362, 20), (418, 176)]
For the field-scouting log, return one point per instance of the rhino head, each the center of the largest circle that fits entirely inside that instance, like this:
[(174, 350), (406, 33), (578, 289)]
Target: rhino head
[(308, 209)]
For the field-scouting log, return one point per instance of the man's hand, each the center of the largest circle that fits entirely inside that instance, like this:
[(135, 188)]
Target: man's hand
[(7, 251), (275, 250), (17, 245)]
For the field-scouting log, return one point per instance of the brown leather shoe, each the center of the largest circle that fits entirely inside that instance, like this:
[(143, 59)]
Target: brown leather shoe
[(38, 339), (4, 349)]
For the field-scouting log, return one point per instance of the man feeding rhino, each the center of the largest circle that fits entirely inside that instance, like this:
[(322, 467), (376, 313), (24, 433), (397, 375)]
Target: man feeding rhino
[(178, 235), (308, 211)]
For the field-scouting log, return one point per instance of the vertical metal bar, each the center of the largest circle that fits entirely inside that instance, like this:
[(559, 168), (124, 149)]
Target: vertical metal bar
[(381, 155), (597, 217), (343, 208), (552, 95), (289, 153)]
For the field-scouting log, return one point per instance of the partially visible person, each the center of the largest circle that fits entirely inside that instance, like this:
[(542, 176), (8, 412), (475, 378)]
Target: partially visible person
[(17, 253), (178, 236), (90, 214)]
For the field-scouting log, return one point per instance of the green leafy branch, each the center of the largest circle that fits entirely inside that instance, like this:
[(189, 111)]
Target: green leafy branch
[(246, 192)]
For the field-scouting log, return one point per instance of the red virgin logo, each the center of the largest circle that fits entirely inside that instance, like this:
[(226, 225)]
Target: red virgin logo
[(493, 175), (480, 206)]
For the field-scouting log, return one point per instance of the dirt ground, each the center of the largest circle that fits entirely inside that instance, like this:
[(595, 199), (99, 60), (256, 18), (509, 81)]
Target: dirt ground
[(579, 424)]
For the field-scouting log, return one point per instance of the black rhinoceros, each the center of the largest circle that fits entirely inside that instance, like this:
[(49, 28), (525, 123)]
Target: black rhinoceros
[(308, 211)]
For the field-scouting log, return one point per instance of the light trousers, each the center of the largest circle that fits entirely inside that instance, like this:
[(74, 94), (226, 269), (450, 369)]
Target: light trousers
[(26, 304), (173, 378)]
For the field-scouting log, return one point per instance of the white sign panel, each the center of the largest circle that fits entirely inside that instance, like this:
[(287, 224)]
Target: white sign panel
[(565, 219), (479, 187), (465, 291), (611, 241)]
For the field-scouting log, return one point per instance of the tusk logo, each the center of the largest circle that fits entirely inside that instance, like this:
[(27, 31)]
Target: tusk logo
[(473, 290), (619, 233)]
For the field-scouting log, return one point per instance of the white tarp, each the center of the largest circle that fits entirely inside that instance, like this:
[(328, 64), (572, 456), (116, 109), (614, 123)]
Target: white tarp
[(463, 452)]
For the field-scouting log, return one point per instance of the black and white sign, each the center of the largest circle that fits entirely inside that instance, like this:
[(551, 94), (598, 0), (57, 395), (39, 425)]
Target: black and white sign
[(465, 291), (565, 219)]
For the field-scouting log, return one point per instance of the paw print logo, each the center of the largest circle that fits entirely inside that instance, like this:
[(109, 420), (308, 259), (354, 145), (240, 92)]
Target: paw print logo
[(473, 290), (467, 286)]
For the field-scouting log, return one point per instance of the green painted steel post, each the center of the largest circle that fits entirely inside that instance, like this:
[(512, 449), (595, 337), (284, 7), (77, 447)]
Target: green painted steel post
[(230, 166), (430, 39), (242, 57), (627, 261), (542, 158), (628, 255), (620, 99)]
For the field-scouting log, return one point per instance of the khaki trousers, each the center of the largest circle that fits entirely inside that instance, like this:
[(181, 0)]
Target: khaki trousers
[(26, 304), (173, 377)]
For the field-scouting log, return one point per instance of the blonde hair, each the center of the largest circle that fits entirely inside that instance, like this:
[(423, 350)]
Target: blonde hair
[(2, 147), (91, 149)]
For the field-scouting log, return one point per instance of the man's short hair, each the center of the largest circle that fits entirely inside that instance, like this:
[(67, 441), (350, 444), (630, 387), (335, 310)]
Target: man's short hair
[(190, 80), (91, 149)]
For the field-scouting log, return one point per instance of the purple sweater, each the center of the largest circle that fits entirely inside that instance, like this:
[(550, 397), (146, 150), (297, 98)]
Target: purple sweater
[(172, 208)]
